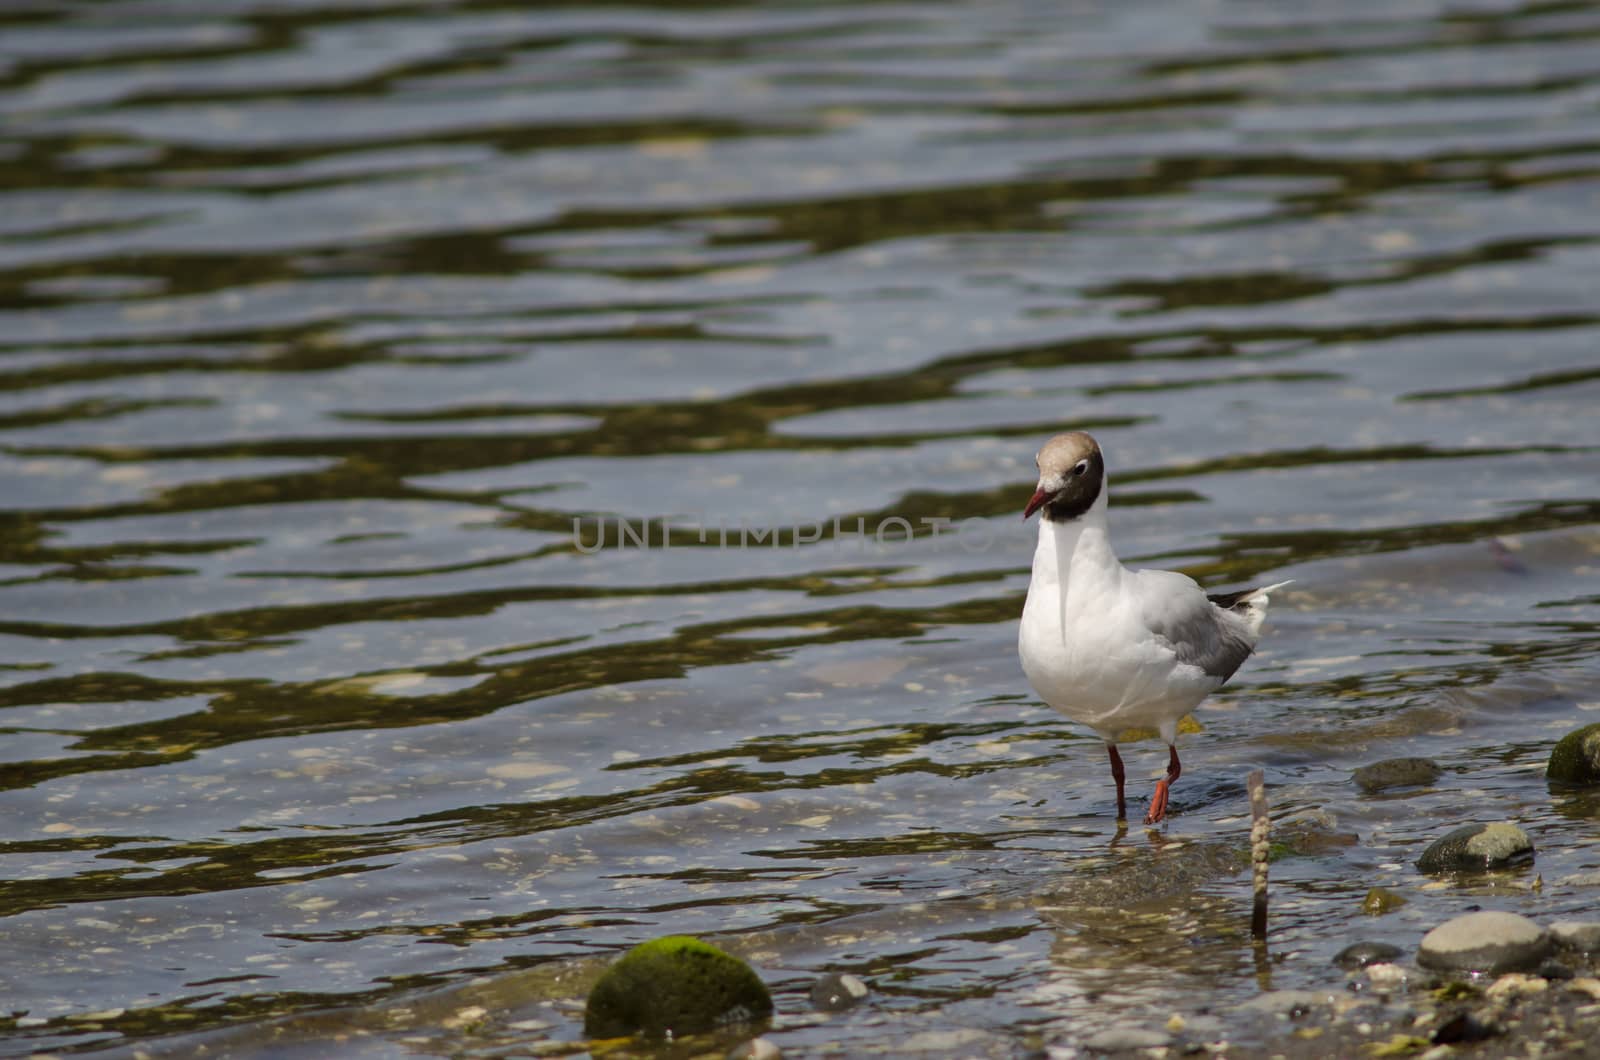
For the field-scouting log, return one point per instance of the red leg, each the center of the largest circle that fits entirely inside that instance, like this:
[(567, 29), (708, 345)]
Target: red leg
[(1158, 801), (1120, 777)]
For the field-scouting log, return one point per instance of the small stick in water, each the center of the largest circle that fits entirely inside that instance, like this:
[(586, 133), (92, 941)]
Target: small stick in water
[(1260, 830)]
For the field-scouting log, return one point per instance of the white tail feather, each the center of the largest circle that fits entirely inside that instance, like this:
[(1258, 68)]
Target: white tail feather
[(1261, 593), (1255, 605)]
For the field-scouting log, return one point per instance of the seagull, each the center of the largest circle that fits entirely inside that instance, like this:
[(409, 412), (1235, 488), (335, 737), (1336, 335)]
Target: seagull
[(1113, 648)]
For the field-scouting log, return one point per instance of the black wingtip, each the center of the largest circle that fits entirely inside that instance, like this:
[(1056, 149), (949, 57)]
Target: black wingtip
[(1228, 601)]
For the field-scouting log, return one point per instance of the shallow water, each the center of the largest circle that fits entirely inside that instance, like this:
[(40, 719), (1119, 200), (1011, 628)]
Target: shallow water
[(335, 338)]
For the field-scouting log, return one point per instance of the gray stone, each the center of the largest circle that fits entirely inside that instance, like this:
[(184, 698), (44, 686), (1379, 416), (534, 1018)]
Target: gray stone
[(1361, 954), (838, 991), (1397, 773), (1290, 1003), (1489, 942), (1580, 935), (1575, 759), (1477, 848), (1126, 1039)]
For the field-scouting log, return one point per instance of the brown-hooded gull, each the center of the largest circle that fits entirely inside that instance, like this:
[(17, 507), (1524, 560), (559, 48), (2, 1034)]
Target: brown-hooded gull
[(1113, 648)]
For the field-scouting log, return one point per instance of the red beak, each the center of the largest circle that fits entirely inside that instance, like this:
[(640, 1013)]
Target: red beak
[(1039, 500)]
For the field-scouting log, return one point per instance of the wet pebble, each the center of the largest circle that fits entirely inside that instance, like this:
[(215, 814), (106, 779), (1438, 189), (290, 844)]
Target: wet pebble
[(1516, 984), (1463, 1027), (755, 1049), (1477, 847), (1125, 1039), (1396, 773), (1575, 759), (1290, 1004), (1553, 969), (1491, 942), (1386, 977), (1580, 935), (1361, 954), (838, 991)]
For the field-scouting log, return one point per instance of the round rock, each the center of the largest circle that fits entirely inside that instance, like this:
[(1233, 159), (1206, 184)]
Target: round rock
[(1397, 773), (1476, 848), (674, 986), (1361, 954), (838, 991), (1489, 942), (1575, 759), (1580, 935)]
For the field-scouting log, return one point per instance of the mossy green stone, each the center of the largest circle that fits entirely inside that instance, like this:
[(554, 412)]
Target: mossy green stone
[(674, 986), (1381, 900), (1576, 758)]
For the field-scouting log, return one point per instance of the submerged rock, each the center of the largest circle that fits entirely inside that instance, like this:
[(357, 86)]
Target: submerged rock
[(1125, 1039), (837, 991), (1575, 759), (1381, 900), (1477, 848), (674, 985), (1396, 773), (1361, 954), (1489, 942), (1290, 1004)]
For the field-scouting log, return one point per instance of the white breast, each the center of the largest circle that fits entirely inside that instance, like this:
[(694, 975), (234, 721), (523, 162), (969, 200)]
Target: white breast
[(1106, 672), (1086, 649)]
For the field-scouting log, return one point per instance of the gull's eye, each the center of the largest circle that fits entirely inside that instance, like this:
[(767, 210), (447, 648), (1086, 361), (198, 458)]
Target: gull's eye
[(1080, 467)]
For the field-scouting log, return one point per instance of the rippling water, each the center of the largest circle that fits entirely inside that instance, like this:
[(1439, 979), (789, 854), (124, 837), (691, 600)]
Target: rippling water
[(334, 338)]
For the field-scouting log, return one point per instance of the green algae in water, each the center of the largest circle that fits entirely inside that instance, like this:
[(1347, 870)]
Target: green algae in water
[(674, 986)]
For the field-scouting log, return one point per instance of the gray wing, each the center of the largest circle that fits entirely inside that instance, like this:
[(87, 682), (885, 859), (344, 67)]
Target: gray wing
[(1176, 610)]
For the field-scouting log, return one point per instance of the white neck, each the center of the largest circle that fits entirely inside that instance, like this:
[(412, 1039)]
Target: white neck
[(1077, 554)]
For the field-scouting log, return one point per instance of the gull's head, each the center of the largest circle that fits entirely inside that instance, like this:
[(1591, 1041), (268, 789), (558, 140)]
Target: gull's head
[(1071, 475)]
